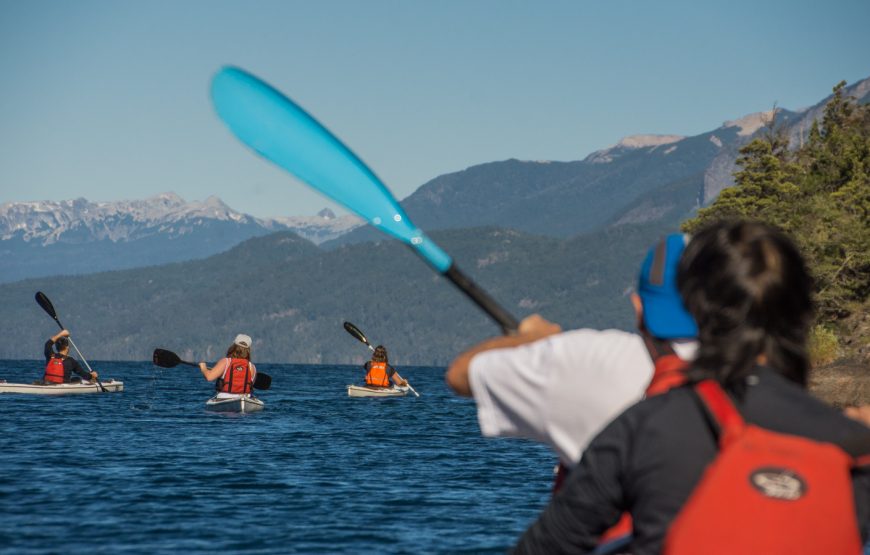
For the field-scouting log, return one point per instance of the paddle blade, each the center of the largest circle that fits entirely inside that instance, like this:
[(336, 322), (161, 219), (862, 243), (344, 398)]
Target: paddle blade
[(283, 133), (355, 331), (165, 359), (262, 381), (46, 304)]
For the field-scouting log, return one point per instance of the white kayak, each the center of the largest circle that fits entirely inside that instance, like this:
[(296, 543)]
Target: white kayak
[(111, 386), (369, 391), (234, 403)]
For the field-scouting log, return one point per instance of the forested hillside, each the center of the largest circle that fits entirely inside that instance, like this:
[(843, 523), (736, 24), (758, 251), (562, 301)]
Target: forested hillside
[(819, 192), (292, 297)]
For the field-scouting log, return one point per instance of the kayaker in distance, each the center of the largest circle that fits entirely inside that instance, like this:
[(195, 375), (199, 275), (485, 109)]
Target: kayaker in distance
[(379, 372), (59, 366), (234, 374)]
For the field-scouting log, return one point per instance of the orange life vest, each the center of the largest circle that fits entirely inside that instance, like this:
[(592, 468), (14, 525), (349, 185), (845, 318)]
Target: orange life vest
[(778, 493), (54, 370), (377, 375), (237, 377)]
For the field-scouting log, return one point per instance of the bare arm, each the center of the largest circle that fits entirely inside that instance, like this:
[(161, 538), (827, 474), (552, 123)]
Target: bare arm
[(531, 329), (397, 379), (211, 374), (861, 414), (61, 333)]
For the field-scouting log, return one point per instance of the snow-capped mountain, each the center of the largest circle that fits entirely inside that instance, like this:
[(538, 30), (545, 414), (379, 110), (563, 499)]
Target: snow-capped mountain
[(82, 221), (78, 236), (325, 226)]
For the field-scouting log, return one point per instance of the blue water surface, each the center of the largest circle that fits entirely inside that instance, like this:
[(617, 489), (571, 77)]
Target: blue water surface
[(149, 470)]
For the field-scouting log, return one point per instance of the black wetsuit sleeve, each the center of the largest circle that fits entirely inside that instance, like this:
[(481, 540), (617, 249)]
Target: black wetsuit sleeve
[(861, 485), (390, 371), (72, 365), (48, 351), (590, 502), (367, 366)]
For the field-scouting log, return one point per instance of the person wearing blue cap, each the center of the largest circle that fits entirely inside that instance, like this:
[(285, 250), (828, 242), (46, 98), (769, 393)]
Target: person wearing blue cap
[(748, 289), (561, 388)]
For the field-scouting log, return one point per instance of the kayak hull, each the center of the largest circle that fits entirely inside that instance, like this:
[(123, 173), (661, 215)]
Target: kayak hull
[(61, 388), (367, 391), (238, 403)]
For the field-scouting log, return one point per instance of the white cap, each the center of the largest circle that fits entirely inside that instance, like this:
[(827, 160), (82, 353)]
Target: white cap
[(243, 340)]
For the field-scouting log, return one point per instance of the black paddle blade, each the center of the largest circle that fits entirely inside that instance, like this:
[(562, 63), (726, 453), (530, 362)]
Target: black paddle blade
[(354, 331), (46, 304), (165, 359), (262, 381)]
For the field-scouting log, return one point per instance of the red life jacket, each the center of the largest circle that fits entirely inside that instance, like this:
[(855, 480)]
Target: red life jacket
[(237, 377), (766, 492), (54, 370), (377, 375)]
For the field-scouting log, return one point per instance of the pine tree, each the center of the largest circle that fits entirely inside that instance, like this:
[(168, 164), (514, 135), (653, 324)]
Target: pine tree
[(819, 193)]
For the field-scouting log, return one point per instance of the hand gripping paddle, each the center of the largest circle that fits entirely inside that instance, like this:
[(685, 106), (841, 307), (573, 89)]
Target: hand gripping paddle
[(168, 359), (282, 132)]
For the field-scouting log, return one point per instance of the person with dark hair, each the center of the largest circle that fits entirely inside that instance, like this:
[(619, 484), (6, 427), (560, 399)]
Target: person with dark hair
[(59, 366), (235, 373), (379, 372), (748, 289)]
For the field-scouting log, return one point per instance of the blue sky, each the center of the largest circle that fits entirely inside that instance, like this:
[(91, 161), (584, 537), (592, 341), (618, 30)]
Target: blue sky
[(109, 100)]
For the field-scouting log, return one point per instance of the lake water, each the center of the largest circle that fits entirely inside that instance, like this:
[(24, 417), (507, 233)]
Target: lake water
[(149, 470)]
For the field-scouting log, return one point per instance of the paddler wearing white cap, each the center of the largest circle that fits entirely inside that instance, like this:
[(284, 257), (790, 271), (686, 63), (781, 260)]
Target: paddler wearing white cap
[(235, 373)]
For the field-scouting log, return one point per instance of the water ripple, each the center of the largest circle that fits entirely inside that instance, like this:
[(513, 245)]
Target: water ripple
[(150, 470)]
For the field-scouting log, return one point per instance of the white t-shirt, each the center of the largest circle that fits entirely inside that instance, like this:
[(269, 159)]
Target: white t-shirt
[(562, 390)]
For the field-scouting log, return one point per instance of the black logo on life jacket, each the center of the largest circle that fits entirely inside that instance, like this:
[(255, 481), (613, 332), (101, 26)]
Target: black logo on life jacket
[(778, 483)]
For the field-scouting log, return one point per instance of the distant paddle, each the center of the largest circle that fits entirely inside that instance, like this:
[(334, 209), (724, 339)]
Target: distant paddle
[(46, 305), (282, 132), (361, 337), (168, 359), (355, 331)]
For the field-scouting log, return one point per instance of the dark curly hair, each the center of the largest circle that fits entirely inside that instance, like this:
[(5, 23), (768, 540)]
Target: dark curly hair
[(747, 287), (380, 354)]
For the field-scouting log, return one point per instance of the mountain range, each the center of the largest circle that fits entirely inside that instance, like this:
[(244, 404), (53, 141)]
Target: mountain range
[(560, 238), (78, 236)]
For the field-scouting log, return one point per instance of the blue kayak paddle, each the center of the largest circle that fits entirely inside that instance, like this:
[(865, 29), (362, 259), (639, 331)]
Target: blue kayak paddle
[(279, 130)]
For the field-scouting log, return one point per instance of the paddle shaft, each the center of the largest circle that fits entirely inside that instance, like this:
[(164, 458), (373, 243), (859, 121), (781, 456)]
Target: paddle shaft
[(88, 366), (482, 299)]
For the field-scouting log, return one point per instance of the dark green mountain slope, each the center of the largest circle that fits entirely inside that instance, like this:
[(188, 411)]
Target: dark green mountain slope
[(292, 297)]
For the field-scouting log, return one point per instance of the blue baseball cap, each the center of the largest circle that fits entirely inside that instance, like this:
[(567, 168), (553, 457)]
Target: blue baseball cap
[(664, 315)]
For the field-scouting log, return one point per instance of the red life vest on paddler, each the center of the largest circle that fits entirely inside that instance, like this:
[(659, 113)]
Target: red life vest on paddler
[(237, 377), (377, 375), (54, 370)]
